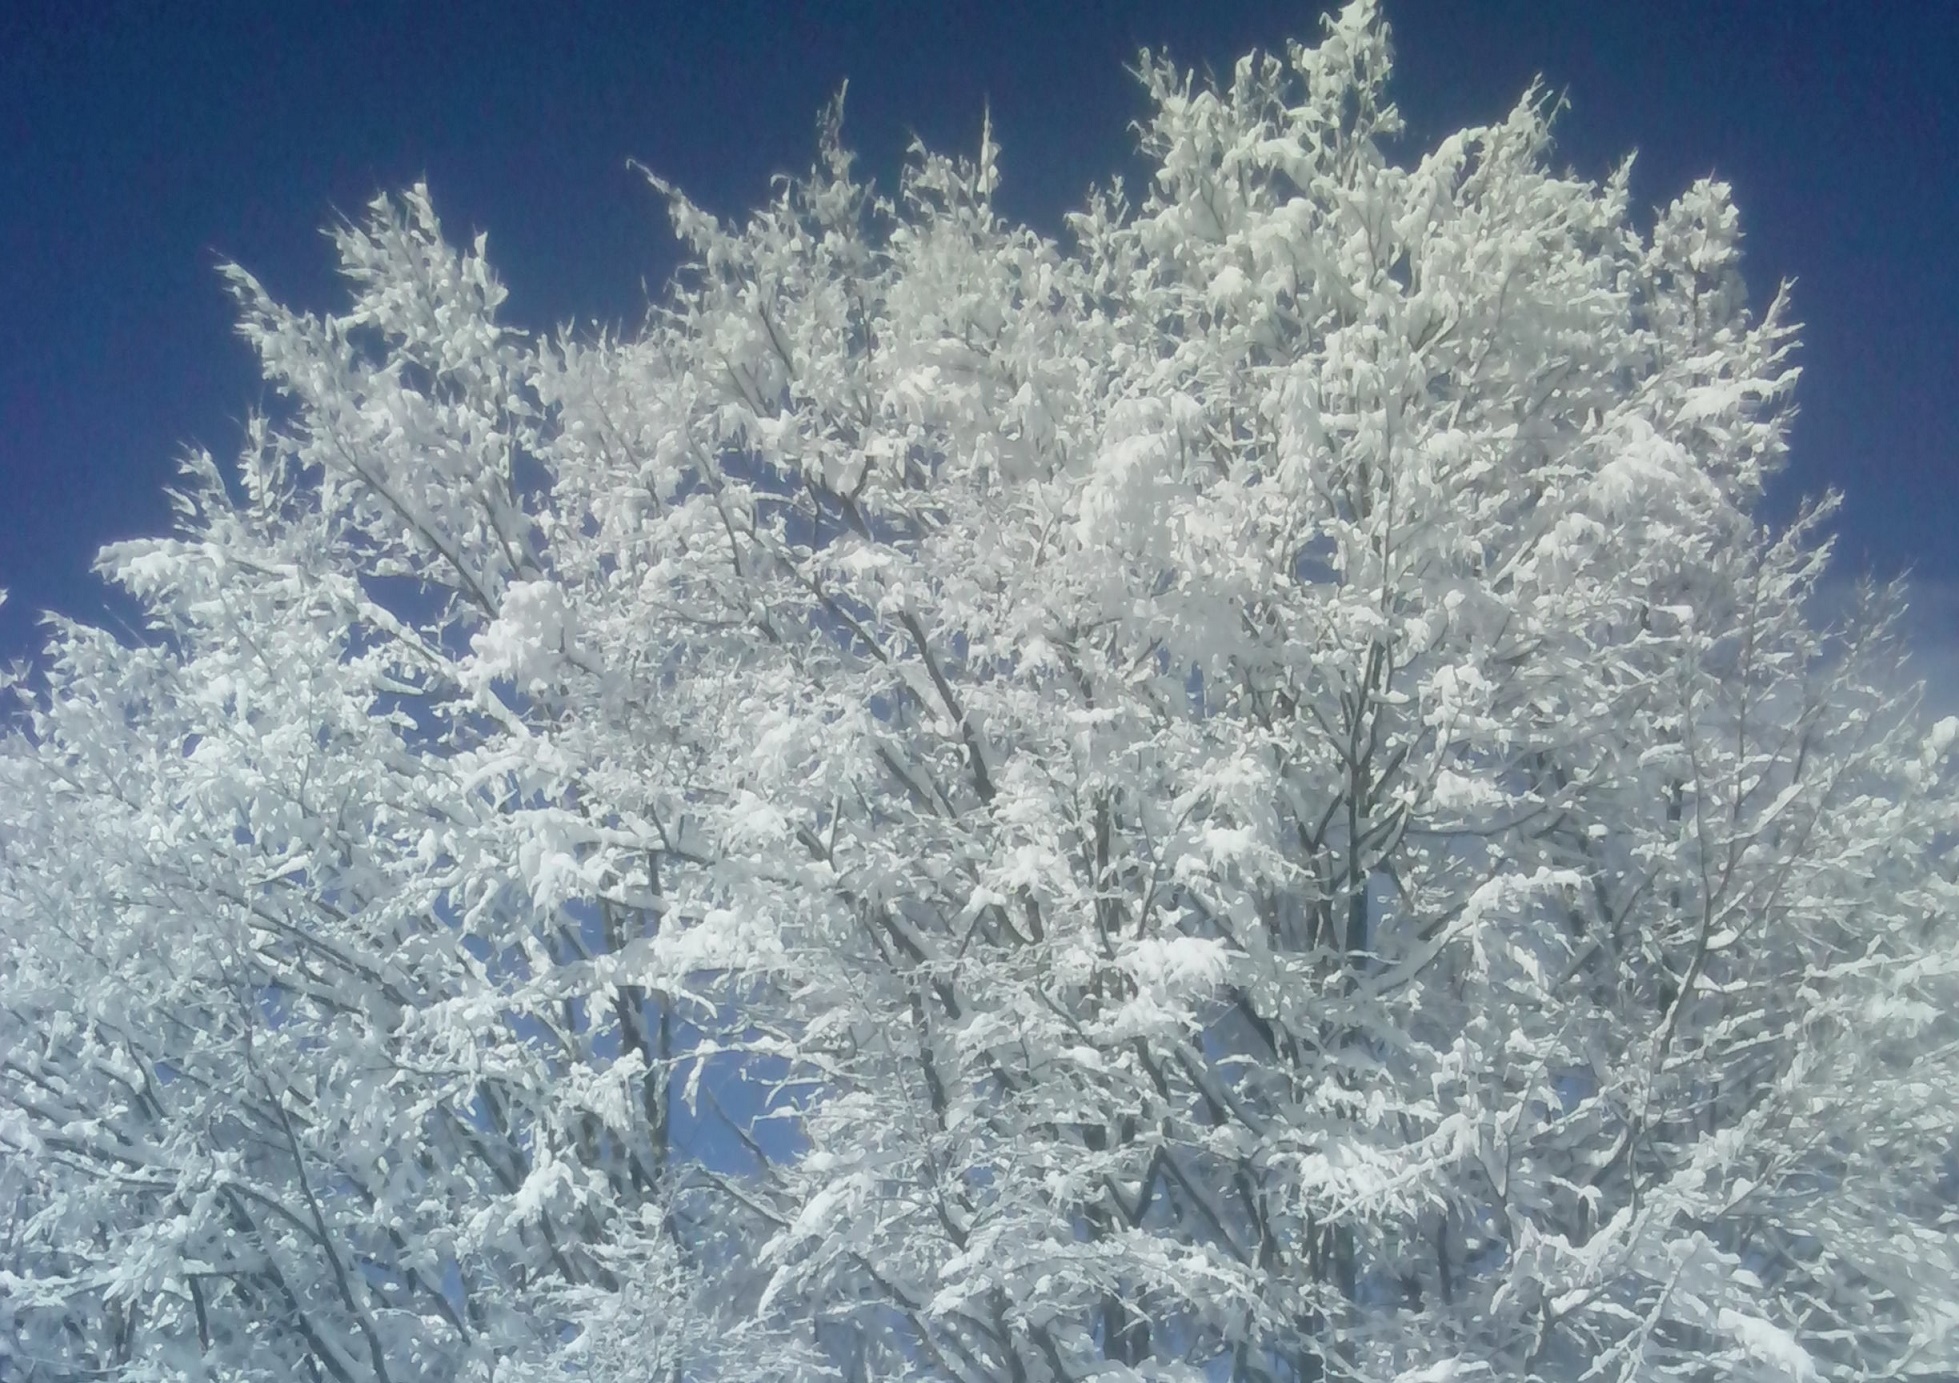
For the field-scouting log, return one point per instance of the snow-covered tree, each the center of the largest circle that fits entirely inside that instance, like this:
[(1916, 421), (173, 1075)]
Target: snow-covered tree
[(1240, 797)]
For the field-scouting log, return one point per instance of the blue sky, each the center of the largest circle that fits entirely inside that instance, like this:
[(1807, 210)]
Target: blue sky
[(142, 142)]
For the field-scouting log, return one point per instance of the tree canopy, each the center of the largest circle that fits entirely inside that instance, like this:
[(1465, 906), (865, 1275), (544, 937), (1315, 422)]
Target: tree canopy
[(1240, 796)]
